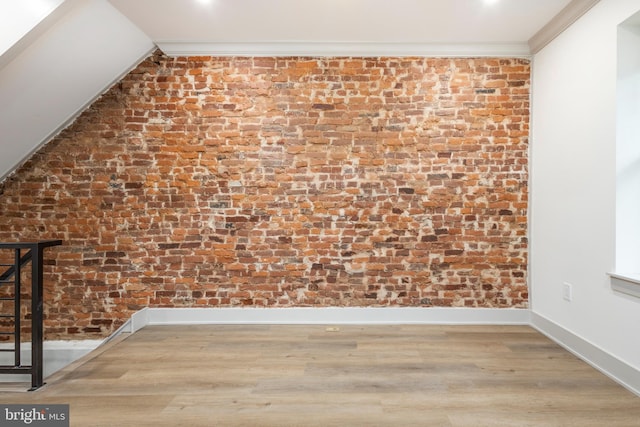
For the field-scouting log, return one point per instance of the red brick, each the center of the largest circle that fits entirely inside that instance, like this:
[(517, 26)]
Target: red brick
[(294, 181)]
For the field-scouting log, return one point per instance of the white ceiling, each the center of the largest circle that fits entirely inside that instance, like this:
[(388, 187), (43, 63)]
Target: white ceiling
[(214, 25), (432, 21), (217, 24)]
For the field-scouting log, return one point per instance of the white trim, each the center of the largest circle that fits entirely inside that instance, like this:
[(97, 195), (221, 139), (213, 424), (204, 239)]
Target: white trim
[(567, 16), (338, 315), (139, 320), (56, 356), (616, 369), (628, 284), (324, 49), (56, 345)]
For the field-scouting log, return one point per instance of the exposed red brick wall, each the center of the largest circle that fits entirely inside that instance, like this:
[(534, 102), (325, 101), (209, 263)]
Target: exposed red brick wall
[(283, 182)]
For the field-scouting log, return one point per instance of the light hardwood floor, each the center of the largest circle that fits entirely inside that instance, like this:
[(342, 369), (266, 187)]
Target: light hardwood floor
[(358, 375)]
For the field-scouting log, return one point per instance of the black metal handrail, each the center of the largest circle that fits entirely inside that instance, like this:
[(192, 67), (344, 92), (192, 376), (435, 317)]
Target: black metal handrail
[(12, 267), (34, 254)]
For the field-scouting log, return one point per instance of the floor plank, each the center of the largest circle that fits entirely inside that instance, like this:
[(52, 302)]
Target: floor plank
[(308, 375)]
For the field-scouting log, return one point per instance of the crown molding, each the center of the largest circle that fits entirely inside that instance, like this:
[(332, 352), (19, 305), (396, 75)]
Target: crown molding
[(567, 16), (332, 49)]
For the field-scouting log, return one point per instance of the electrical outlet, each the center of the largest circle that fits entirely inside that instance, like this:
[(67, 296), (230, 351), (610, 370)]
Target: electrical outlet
[(567, 291)]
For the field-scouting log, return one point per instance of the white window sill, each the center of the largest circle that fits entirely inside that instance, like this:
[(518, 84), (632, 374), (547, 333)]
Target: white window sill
[(628, 284)]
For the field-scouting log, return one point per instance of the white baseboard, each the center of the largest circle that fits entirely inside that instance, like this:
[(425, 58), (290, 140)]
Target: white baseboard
[(614, 368), (56, 355), (330, 315)]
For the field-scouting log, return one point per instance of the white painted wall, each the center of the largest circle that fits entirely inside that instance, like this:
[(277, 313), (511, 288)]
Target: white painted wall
[(59, 74), (573, 184), (628, 149)]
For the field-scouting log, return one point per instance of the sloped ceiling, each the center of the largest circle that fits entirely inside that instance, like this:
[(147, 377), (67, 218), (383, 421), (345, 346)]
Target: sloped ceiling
[(56, 75), (79, 48), (24, 17)]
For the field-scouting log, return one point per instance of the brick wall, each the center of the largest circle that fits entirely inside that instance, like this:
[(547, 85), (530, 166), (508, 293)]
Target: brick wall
[(283, 182)]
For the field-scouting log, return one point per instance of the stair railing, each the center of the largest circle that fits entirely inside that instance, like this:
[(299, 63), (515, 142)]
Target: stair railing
[(11, 276)]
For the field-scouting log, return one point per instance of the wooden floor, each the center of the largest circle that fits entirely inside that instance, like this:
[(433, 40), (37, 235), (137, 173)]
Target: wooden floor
[(355, 375)]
